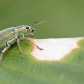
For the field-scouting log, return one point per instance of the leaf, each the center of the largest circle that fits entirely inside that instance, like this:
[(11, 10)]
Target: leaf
[(29, 70)]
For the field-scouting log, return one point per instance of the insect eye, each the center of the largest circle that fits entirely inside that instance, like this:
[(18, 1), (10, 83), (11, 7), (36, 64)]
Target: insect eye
[(27, 27)]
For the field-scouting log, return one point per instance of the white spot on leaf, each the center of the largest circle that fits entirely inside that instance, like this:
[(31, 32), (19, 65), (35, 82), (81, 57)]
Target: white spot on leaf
[(54, 49)]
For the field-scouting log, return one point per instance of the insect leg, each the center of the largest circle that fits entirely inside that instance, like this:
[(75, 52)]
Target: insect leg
[(28, 35), (18, 41), (4, 50), (33, 43)]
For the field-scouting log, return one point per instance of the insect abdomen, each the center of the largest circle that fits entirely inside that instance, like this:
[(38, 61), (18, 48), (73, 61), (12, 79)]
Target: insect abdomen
[(5, 36)]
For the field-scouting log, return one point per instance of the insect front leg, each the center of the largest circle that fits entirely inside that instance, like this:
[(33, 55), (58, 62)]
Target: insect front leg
[(32, 43), (28, 35), (4, 50), (18, 42)]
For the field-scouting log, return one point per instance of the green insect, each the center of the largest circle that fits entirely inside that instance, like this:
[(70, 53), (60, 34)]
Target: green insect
[(11, 35)]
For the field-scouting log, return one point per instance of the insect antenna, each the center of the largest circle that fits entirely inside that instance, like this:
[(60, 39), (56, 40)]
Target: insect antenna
[(39, 23), (34, 23)]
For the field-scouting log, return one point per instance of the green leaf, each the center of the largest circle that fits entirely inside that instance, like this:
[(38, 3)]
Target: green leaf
[(28, 70)]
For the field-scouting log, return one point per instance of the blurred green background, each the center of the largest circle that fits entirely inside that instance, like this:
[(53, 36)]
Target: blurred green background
[(65, 18)]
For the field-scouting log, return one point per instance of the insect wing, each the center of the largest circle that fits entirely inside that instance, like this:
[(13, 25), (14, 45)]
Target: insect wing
[(6, 35)]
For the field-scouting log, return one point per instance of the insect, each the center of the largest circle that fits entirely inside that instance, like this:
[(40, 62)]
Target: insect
[(11, 35)]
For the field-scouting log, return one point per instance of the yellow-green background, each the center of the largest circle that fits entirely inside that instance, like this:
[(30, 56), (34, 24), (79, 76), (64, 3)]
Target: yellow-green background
[(65, 18)]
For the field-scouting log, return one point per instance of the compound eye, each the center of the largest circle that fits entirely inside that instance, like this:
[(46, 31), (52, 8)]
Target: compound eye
[(27, 27)]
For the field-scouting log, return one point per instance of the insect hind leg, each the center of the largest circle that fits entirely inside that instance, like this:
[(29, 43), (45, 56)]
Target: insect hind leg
[(8, 44), (4, 50)]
